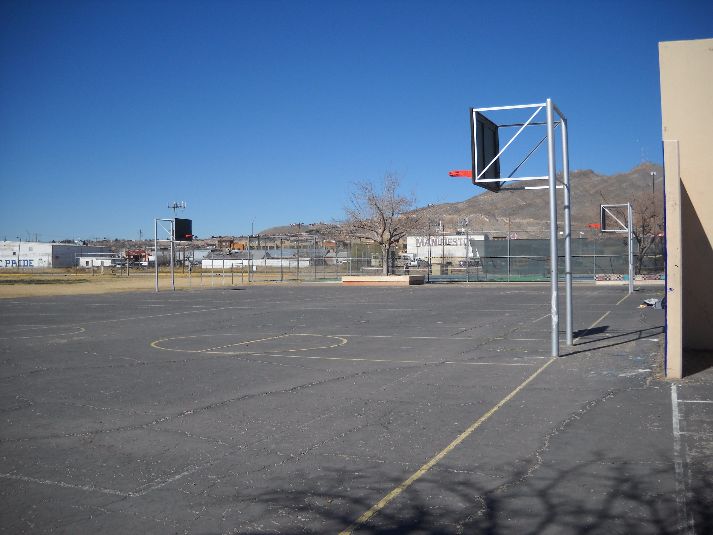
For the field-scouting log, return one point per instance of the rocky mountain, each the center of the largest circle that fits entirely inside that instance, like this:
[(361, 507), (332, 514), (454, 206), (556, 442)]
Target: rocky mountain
[(528, 210)]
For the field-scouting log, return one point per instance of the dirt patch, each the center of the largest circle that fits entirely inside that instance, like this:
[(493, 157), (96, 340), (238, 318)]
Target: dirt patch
[(67, 284)]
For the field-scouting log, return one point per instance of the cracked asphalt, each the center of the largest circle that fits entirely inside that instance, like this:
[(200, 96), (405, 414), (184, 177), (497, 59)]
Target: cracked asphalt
[(299, 408)]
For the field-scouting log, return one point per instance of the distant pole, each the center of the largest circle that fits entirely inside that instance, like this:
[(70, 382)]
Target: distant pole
[(19, 247), (428, 271), (173, 274), (629, 224), (508, 247), (155, 249), (249, 259), (443, 244)]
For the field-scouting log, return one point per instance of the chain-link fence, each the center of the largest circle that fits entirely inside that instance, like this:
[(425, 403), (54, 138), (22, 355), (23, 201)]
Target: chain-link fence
[(460, 257)]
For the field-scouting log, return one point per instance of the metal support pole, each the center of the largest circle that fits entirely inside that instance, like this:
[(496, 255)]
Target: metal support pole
[(173, 236), (554, 305), (567, 232), (467, 256), (629, 225), (155, 249), (509, 248)]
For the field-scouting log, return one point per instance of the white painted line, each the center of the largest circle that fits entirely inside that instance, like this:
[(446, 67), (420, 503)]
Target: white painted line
[(405, 337), (62, 484), (393, 361), (620, 301), (685, 520), (695, 401), (543, 317)]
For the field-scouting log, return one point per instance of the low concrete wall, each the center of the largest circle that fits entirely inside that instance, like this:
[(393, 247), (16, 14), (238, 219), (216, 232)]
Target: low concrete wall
[(382, 280)]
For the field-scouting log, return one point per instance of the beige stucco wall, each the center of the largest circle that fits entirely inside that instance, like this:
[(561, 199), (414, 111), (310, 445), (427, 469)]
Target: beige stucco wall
[(687, 131)]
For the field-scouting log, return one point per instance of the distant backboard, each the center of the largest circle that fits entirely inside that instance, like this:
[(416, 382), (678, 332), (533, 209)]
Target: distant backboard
[(614, 217), (485, 145), (183, 229)]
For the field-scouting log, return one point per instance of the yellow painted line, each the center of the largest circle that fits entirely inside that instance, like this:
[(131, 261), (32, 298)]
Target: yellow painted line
[(363, 519), (591, 326), (620, 301)]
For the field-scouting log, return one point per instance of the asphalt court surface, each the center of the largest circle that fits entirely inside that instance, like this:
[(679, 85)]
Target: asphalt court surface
[(328, 409)]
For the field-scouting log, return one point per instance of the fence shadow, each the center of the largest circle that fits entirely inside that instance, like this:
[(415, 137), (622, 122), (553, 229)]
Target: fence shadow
[(612, 340)]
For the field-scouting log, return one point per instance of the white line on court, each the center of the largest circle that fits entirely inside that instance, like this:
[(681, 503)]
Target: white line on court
[(406, 337), (88, 488), (695, 401), (395, 361), (685, 520), (154, 485), (620, 301)]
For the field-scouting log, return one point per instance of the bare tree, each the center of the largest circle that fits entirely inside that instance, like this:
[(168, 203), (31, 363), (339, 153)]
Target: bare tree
[(381, 214), (648, 225)]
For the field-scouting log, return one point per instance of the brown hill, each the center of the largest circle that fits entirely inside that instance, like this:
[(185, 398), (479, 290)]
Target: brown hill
[(528, 210)]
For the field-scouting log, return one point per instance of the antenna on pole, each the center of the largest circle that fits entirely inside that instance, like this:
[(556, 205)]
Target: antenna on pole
[(177, 205)]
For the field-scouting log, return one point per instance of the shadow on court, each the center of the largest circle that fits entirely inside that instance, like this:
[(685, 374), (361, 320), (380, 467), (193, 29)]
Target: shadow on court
[(592, 496)]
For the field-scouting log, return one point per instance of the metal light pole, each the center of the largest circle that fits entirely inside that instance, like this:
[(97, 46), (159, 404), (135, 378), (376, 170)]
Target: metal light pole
[(19, 247)]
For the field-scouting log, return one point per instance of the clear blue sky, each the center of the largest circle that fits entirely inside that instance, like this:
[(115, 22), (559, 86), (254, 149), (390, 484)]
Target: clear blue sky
[(267, 111)]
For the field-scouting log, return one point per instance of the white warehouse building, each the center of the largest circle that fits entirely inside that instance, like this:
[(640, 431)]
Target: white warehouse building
[(32, 254), (445, 246)]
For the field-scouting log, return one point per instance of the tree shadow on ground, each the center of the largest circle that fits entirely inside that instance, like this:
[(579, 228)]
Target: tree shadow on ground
[(600, 495)]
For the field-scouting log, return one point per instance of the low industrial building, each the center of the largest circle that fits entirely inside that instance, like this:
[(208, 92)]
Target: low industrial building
[(38, 255), (445, 246)]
